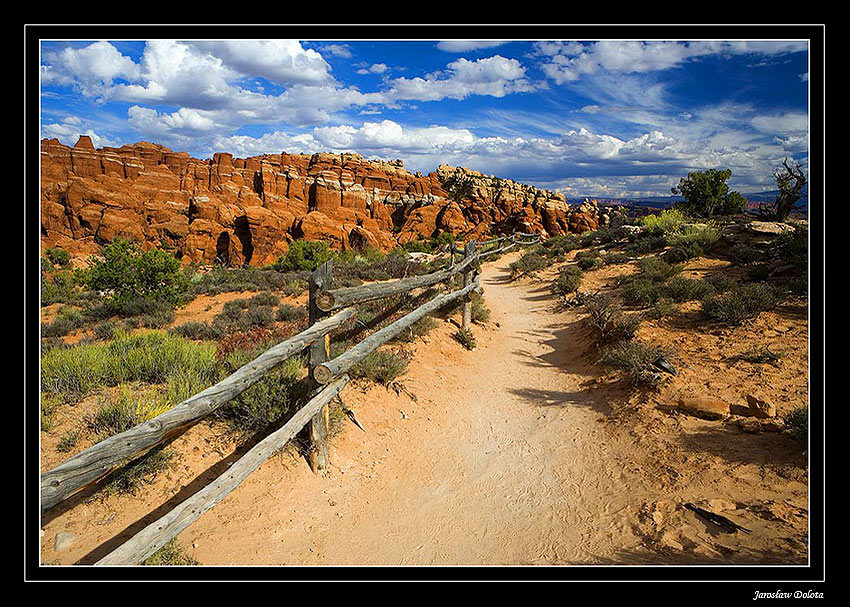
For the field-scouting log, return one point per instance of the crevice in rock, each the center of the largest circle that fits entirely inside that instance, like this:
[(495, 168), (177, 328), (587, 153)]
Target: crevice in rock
[(243, 232)]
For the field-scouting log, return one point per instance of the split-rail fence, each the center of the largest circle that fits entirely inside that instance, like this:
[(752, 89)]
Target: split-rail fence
[(329, 309)]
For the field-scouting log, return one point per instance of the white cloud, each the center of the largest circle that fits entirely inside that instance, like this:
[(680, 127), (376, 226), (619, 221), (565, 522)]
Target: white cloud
[(280, 61), (91, 68), (375, 68), (569, 61), (70, 133), (461, 46), (337, 50), (494, 76)]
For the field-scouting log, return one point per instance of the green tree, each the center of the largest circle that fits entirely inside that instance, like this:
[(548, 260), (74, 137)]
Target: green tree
[(706, 194), (125, 272)]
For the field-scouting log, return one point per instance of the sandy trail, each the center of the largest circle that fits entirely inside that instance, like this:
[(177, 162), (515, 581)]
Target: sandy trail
[(505, 461)]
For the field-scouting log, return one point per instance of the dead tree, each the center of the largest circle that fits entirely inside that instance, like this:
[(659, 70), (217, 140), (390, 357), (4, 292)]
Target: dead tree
[(790, 182)]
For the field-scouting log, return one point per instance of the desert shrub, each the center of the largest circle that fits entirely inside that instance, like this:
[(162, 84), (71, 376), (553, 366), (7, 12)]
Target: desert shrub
[(58, 256), (793, 247), (759, 354), (57, 287), (641, 292), (421, 327), (568, 281), (681, 289), (290, 313), (797, 424), (381, 366), (558, 246), (670, 221), (720, 283), (67, 441), (150, 357), (256, 316), (67, 320), (588, 239), (170, 554), (636, 360), (304, 255), (263, 299), (759, 272), (529, 264), (744, 254), (198, 330), (144, 470), (106, 330), (607, 319), (610, 259), (269, 401), (48, 404), (662, 308), (124, 272), (683, 251), (480, 312), (226, 280), (157, 320), (465, 338), (648, 243), (741, 303), (657, 269), (589, 260)]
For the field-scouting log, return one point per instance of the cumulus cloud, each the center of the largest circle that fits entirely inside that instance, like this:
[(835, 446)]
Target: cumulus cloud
[(92, 68), (462, 46), (494, 76), (69, 134), (375, 68), (280, 61)]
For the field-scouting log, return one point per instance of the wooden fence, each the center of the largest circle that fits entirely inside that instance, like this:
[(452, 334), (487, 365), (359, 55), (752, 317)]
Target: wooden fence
[(327, 377)]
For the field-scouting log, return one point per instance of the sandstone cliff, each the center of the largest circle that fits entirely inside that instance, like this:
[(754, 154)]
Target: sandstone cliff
[(248, 210)]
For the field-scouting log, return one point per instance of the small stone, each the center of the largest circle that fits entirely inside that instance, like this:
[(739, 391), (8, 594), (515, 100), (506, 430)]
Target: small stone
[(705, 407), (750, 425), (63, 541), (772, 425), (760, 408)]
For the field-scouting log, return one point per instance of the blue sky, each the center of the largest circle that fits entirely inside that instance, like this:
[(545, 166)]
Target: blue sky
[(597, 118)]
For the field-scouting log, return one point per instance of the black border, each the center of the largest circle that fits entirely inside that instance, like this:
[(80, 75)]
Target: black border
[(750, 578)]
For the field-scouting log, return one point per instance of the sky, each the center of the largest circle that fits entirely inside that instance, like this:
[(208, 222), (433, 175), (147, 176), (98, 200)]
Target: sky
[(608, 118)]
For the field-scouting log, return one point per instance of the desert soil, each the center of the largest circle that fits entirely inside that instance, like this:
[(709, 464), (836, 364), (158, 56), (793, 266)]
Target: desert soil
[(523, 451)]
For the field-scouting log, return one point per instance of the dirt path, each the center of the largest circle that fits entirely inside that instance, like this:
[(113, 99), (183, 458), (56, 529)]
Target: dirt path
[(503, 462)]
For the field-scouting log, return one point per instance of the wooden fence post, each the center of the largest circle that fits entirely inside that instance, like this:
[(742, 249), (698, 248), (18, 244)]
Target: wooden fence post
[(320, 280), (468, 277)]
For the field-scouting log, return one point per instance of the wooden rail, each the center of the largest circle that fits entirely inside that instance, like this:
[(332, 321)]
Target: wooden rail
[(327, 378)]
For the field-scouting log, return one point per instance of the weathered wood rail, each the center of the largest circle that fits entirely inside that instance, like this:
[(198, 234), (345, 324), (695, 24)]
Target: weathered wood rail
[(326, 378)]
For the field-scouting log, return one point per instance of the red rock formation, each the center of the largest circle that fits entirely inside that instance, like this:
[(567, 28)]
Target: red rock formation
[(248, 210)]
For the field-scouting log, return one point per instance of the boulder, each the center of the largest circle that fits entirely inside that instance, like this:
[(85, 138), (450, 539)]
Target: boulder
[(705, 407), (760, 408)]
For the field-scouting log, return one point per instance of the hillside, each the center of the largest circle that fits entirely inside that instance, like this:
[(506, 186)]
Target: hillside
[(246, 211)]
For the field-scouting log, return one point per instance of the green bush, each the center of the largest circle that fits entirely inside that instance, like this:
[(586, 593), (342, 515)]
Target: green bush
[(529, 264), (198, 330), (271, 400), (793, 247), (568, 281), (759, 272), (150, 357), (304, 255), (743, 254), (589, 260), (421, 327), (126, 480), (57, 286), (170, 554), (719, 283), (636, 360), (797, 425), (706, 194), (759, 354), (480, 312), (681, 289), (58, 256), (290, 313), (670, 221), (741, 303), (257, 316), (641, 292), (124, 272), (381, 366), (657, 269), (662, 308), (67, 320), (465, 338), (608, 321), (683, 251)]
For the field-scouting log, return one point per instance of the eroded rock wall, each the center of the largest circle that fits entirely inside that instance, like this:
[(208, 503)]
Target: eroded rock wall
[(248, 210)]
